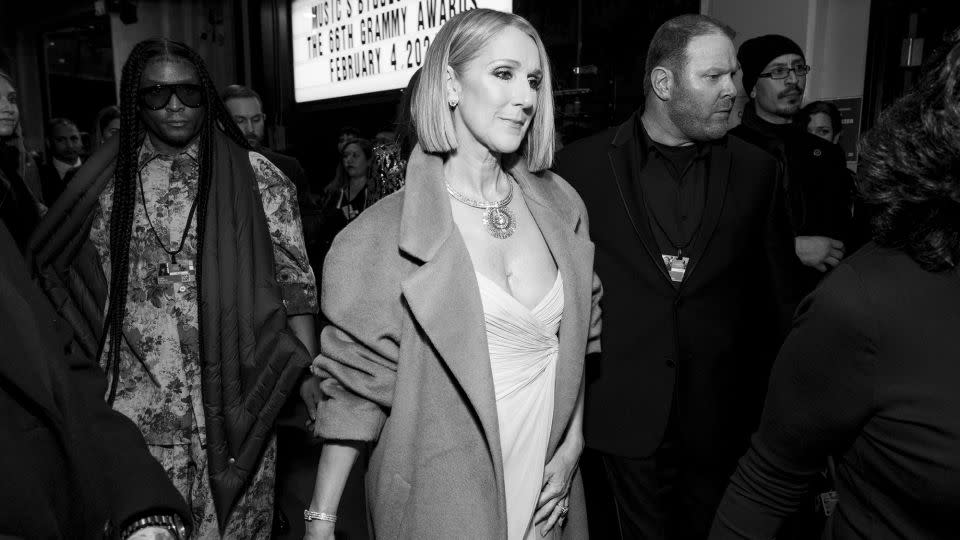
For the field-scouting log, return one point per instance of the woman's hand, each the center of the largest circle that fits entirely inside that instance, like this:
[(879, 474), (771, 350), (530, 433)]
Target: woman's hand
[(310, 393), (318, 530), (557, 479)]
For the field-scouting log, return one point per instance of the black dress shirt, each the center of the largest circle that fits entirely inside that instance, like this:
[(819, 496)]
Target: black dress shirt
[(674, 192)]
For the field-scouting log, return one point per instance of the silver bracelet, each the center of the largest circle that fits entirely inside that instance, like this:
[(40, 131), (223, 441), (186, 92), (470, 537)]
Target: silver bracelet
[(310, 515)]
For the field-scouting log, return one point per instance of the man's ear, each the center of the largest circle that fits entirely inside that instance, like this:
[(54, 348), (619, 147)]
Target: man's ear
[(662, 82), (753, 92)]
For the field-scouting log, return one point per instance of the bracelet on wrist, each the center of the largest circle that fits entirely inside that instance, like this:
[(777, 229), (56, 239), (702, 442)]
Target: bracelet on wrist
[(310, 515)]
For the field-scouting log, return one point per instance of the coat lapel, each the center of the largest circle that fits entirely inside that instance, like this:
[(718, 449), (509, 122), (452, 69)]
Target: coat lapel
[(623, 155), (716, 193), (558, 222), (443, 292)]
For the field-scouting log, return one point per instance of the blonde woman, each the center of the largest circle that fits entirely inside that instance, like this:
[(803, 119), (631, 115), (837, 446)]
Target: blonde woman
[(20, 192), (461, 309)]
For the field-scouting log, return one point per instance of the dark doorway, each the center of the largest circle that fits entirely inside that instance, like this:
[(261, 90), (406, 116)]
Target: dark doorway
[(78, 65), (902, 37)]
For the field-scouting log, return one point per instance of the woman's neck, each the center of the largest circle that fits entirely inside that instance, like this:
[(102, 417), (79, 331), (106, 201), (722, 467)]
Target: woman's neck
[(475, 171), (355, 185)]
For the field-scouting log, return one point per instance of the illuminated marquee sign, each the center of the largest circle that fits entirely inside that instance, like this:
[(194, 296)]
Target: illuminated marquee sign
[(348, 47)]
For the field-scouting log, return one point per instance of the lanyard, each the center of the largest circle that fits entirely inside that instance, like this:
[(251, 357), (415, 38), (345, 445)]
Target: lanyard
[(678, 246), (186, 229)]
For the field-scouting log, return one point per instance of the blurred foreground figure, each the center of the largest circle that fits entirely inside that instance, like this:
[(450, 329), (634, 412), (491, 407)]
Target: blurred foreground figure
[(71, 466), (192, 242), (870, 372), (694, 251)]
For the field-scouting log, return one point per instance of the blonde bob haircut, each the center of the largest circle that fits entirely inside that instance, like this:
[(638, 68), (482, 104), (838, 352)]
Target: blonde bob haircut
[(457, 43)]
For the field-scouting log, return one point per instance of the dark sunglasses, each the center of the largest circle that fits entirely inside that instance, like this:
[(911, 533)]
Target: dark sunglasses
[(157, 96)]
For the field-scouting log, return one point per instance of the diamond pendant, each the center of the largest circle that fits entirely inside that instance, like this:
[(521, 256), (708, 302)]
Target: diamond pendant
[(500, 222)]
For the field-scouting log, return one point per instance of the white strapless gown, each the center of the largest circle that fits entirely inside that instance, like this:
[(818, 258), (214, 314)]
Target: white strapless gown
[(523, 347)]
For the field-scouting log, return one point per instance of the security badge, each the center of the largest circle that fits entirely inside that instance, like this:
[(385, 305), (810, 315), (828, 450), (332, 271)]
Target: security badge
[(676, 266), (171, 273)]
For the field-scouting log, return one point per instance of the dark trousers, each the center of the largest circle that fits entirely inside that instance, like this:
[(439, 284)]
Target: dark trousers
[(670, 495)]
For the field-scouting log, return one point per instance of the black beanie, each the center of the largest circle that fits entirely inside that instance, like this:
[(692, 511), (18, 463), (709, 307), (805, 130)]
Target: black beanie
[(756, 53)]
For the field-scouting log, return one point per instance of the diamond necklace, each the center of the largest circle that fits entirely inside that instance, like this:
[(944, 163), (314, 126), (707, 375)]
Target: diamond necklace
[(497, 218)]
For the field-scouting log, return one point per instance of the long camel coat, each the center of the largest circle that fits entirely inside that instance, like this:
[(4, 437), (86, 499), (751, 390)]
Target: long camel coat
[(408, 361)]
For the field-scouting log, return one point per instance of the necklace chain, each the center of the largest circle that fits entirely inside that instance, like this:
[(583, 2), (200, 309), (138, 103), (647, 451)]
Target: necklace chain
[(498, 220), (484, 205), (186, 228)]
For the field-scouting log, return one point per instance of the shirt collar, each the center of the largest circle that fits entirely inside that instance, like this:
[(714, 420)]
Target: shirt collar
[(62, 166), (648, 144), (148, 151)]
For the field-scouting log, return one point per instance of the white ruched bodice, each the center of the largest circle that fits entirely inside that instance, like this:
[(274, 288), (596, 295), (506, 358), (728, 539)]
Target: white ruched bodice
[(523, 348)]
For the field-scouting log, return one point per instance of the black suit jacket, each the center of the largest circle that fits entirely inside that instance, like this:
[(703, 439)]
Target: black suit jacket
[(712, 341), (69, 464)]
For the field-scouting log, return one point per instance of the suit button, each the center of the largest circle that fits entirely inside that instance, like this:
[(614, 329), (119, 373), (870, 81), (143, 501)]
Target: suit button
[(671, 362), (231, 461)]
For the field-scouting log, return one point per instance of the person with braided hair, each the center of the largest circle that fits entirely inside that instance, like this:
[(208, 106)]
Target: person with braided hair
[(193, 243)]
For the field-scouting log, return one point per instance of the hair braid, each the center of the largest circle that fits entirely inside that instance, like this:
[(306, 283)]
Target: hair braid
[(124, 201)]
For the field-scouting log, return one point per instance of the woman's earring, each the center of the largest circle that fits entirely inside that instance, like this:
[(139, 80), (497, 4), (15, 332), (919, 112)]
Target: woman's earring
[(452, 102)]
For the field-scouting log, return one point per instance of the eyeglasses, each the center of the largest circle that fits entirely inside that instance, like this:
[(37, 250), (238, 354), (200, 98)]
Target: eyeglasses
[(157, 96), (782, 72)]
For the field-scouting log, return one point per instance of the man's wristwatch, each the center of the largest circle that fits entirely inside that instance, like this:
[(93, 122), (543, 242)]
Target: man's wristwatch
[(171, 522)]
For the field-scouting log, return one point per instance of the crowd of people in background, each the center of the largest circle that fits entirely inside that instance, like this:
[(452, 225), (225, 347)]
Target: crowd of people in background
[(674, 328)]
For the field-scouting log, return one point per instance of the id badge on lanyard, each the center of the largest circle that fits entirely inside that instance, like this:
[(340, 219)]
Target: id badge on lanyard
[(676, 266), (174, 273)]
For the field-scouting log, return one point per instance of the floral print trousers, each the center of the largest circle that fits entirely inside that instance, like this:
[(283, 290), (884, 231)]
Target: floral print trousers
[(252, 516)]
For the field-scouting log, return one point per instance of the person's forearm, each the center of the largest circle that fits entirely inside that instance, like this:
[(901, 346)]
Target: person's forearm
[(336, 460), (573, 441), (303, 326)]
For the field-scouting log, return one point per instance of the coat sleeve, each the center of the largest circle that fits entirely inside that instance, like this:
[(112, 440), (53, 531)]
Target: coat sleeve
[(596, 288), (360, 347), (820, 394), (291, 264), (136, 484), (780, 255)]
